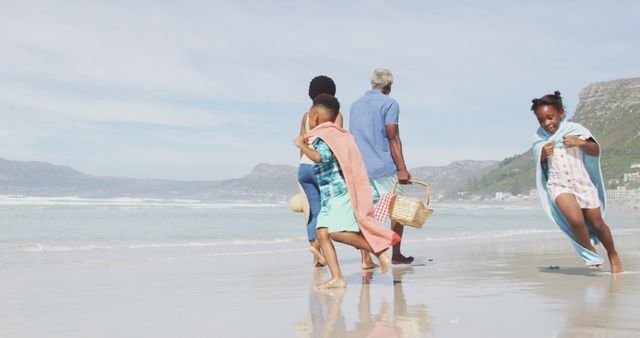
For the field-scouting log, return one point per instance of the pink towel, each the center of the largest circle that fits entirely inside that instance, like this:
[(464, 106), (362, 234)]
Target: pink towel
[(346, 151)]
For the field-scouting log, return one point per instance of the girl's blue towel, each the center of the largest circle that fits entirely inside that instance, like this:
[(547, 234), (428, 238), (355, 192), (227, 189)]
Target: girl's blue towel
[(591, 163)]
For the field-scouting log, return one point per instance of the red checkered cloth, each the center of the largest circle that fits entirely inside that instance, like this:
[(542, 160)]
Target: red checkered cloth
[(382, 210)]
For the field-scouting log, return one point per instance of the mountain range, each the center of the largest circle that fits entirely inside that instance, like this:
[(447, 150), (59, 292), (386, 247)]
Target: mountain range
[(265, 182), (611, 110)]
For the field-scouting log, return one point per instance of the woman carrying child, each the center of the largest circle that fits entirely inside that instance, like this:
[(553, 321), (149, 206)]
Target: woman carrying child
[(569, 181), (319, 85), (346, 213)]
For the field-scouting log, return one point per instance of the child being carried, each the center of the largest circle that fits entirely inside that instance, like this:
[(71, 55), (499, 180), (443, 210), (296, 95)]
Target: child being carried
[(346, 213)]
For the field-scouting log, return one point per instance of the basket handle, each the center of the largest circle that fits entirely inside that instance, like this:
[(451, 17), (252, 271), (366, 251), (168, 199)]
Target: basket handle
[(425, 185)]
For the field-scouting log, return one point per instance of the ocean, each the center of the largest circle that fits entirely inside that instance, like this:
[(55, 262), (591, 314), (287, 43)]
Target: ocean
[(50, 230)]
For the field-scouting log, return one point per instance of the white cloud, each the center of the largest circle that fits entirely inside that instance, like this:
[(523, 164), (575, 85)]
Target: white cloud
[(222, 66), (66, 105)]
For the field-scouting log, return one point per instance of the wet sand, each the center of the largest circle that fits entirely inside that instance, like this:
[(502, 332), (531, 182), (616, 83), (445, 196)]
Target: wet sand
[(519, 288), (495, 288)]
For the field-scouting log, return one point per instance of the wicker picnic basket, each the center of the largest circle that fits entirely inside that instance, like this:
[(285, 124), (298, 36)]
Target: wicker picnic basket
[(410, 211)]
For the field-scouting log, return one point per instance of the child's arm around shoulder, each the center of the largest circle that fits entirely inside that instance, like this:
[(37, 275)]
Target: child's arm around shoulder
[(303, 129), (313, 155)]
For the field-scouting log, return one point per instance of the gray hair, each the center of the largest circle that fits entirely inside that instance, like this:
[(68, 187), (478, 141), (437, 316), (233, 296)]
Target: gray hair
[(381, 78)]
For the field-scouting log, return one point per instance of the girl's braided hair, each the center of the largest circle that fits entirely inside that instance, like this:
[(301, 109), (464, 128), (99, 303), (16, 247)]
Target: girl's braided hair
[(548, 100)]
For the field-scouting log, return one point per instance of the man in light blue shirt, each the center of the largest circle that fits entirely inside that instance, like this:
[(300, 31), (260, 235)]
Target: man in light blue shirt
[(374, 125)]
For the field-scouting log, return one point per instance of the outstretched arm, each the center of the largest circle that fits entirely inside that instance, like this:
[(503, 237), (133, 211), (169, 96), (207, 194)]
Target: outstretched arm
[(395, 145)]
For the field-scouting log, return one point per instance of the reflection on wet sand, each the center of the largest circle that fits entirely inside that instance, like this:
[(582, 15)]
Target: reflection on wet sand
[(502, 290), (393, 319), (596, 315)]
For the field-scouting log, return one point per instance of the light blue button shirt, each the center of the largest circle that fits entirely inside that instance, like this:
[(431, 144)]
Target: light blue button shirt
[(367, 119)]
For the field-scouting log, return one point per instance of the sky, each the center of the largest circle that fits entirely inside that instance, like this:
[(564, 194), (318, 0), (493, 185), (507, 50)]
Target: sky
[(205, 90)]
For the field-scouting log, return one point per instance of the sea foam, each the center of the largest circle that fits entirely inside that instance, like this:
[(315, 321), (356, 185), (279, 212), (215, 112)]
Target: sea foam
[(12, 200), (45, 248)]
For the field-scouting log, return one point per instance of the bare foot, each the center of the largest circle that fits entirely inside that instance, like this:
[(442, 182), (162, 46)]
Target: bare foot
[(319, 260), (402, 259), (616, 264), (368, 265), (333, 283), (595, 266), (385, 262)]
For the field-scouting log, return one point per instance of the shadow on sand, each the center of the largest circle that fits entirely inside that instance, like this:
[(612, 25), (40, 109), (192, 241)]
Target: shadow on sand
[(571, 271)]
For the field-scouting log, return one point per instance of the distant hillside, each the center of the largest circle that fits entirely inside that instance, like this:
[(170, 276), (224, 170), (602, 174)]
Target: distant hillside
[(37, 174), (514, 174), (611, 110), (265, 182), (454, 177), (273, 181)]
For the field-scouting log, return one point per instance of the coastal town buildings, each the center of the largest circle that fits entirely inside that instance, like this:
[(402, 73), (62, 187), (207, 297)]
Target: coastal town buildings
[(631, 177), (623, 194)]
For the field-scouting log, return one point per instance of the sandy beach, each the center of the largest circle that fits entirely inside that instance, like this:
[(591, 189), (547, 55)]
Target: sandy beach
[(165, 167), (499, 287)]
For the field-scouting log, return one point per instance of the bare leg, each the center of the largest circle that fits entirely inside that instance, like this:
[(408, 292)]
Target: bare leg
[(601, 229), (351, 238), (357, 241), (337, 280), (318, 259), (367, 263), (397, 257), (569, 207)]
